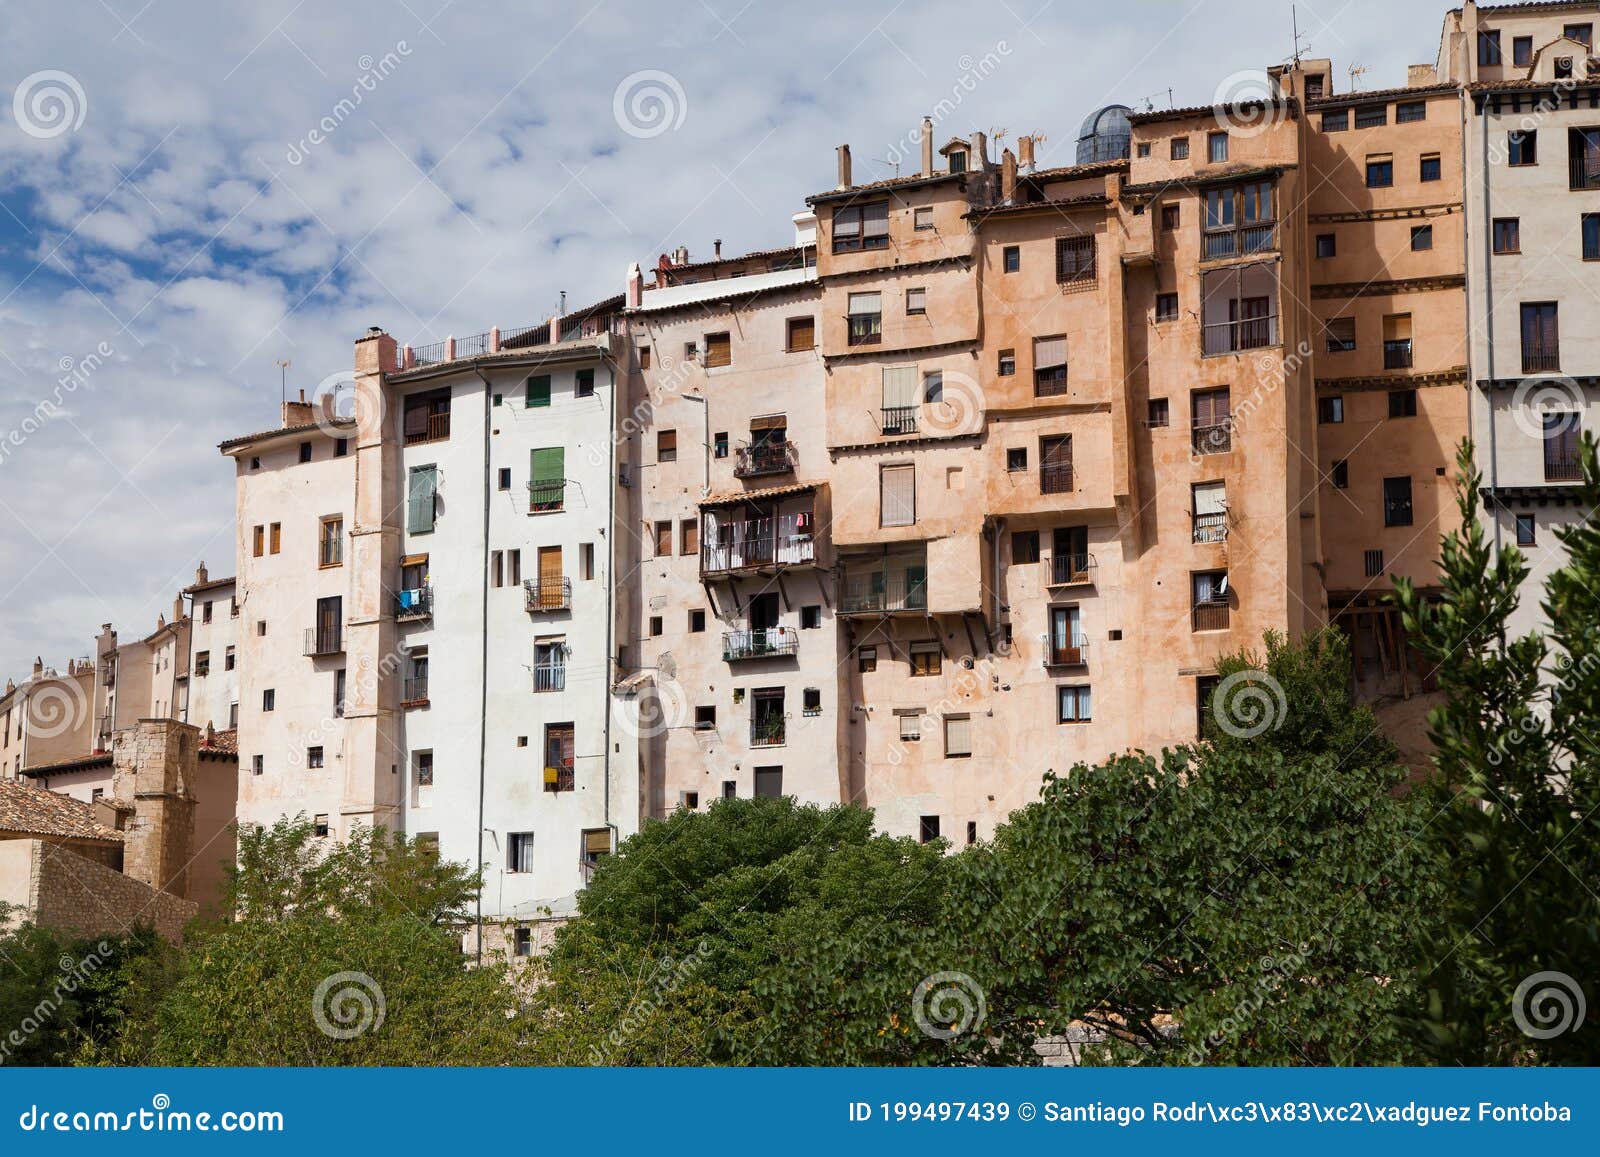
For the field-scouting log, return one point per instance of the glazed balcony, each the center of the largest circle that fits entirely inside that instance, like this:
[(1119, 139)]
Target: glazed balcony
[(1249, 333), (758, 543), (884, 592), (760, 643), (545, 596), (1239, 309), (761, 458), (1252, 237)]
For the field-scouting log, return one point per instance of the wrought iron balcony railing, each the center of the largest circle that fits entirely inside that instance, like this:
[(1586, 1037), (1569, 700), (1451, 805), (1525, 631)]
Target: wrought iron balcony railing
[(1072, 569), (764, 458), (323, 641), (541, 596), (1213, 438), (1071, 654), (760, 643), (899, 419), (413, 603), (1211, 615), (414, 690), (760, 542), (1210, 528)]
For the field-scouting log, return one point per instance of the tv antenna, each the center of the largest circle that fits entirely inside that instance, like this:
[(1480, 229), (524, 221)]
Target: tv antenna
[(1355, 71), (283, 380), (886, 161)]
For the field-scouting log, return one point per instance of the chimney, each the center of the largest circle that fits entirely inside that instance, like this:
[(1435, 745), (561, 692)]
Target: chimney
[(844, 167), (201, 574), (1025, 154), (38, 666), (297, 413), (927, 146), (635, 286), (1008, 177), (177, 607), (980, 146), (717, 248)]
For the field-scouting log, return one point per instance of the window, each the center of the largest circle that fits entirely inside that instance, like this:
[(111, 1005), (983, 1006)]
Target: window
[(1372, 563), (503, 480), (1011, 258), (1169, 218), (228, 658), (1209, 589), (897, 497), (1024, 547), (1380, 172), (1142, 149), (1525, 530), (910, 723), (1212, 431), (801, 333), (719, 350), (1180, 148), (497, 568), (275, 538), (319, 824), (1371, 116), (768, 724), (1402, 403), (331, 541), (202, 662), (1341, 335), (1522, 148), (928, 829), (857, 227), (1016, 458), (1216, 147), (689, 536), (644, 357), (1327, 244), (422, 765), (719, 444), (1158, 413), (691, 350), (422, 491), (519, 858), (666, 445), (314, 757), (1582, 33), (926, 659), (1561, 436), (1007, 365), (933, 386), (1166, 307), (338, 693), (1336, 122), (560, 757), (1522, 51), (1339, 475), (866, 318), (586, 560), (1541, 345), (1428, 167), (257, 764), (537, 391), (1583, 158), (1410, 111), (1488, 47), (768, 782), (697, 621), (1421, 238), (1508, 235), (1075, 260), (663, 539), (1330, 410), (916, 301), (922, 217), (261, 628), (205, 611), (866, 659), (656, 626), (1072, 704), (583, 383), (705, 718), (1397, 501), (1590, 227), (269, 699), (811, 701), (1049, 366), (1055, 464), (811, 617), (957, 736), (305, 451)]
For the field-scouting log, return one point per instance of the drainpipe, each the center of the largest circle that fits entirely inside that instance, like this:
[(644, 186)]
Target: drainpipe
[(611, 565), (1488, 323), (483, 656), (999, 589), (705, 441)]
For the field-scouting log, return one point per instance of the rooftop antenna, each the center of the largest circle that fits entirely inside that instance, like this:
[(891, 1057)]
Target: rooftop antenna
[(283, 380), (887, 161), (1355, 71), (1294, 18)]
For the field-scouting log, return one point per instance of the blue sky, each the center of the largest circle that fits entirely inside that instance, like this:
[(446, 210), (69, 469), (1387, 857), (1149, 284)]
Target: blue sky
[(173, 208)]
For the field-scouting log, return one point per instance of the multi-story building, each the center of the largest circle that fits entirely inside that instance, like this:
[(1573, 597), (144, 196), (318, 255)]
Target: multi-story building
[(427, 603), (213, 664)]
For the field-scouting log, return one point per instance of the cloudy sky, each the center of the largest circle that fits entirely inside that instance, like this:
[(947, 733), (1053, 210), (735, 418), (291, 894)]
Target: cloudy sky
[(171, 227)]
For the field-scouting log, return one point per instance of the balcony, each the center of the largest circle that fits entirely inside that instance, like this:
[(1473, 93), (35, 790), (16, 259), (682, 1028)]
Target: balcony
[(1212, 438), (1210, 528), (1254, 237), (768, 730), (1562, 469), (549, 677), (879, 592), (764, 458), (414, 691), (436, 428), (1055, 479), (1071, 570), (1210, 615), (548, 595), (1249, 333), (1540, 358), (324, 641), (760, 643), (783, 540), (547, 496), (1397, 354), (899, 420), (413, 603), (562, 777), (1073, 654)]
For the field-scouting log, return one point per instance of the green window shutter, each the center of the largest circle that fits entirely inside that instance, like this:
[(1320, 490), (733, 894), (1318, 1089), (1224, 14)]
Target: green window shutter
[(539, 390), (547, 474), (420, 499)]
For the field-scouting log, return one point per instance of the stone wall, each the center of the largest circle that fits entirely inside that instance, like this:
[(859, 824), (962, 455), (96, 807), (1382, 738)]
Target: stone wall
[(82, 898)]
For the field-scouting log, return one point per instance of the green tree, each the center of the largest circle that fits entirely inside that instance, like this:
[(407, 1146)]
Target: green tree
[(1516, 795)]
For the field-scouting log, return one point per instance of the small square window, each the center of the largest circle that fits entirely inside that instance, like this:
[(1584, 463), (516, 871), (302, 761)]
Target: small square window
[(922, 217), (305, 451), (1339, 476), (928, 829), (341, 447), (1336, 122), (1016, 458), (866, 658), (313, 757), (1180, 148), (1142, 149), (1216, 147), (910, 725), (957, 736), (1024, 547), (811, 701), (1402, 403), (1327, 244), (1166, 307), (697, 622), (584, 387), (1073, 705), (319, 825), (1169, 217), (1011, 258), (1525, 530), (1421, 238), (705, 718), (1409, 111), (1380, 172), (1341, 335), (1330, 410), (1428, 168), (1522, 148), (916, 301), (505, 478), (257, 764), (719, 444), (926, 659), (655, 626), (1158, 413), (811, 617), (1007, 363), (666, 445), (1508, 235)]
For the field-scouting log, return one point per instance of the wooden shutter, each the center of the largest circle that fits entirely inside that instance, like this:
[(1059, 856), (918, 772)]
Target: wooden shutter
[(719, 350), (957, 735), (899, 496), (547, 471), (1049, 352), (1056, 452), (899, 386), (550, 568), (597, 842), (539, 390), (802, 333), (416, 421), (420, 501)]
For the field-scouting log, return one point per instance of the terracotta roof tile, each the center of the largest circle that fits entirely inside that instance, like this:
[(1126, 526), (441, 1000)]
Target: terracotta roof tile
[(32, 811)]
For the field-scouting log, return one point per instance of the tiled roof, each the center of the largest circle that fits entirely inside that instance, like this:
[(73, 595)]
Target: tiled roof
[(1349, 98), (222, 742), (282, 431), (1068, 172), (32, 811), (208, 585), (887, 183), (76, 763), (1172, 114), (734, 497)]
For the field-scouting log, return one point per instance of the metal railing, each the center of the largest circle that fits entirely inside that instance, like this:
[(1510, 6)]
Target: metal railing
[(768, 730), (1055, 479), (414, 603), (1562, 470), (1258, 237), (1211, 527), (526, 335), (324, 642), (764, 458), (438, 430), (899, 419), (564, 779), (549, 677), (878, 591), (1072, 654), (1397, 354), (429, 355), (1246, 333), (1536, 358), (547, 495), (1583, 170), (545, 595), (1213, 438), (760, 643), (782, 541), (1073, 569), (1211, 615), (473, 347), (415, 690)]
